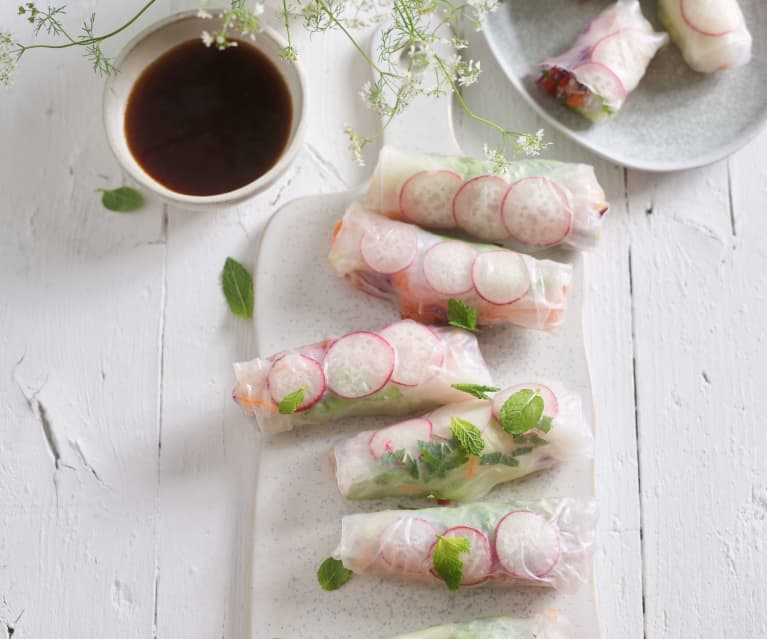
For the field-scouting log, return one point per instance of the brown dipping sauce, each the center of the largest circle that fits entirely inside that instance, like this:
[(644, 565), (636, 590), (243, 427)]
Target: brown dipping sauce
[(202, 121)]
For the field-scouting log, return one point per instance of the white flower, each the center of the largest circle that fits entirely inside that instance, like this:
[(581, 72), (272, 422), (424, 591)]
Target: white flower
[(207, 39), (202, 13), (532, 144), (258, 9)]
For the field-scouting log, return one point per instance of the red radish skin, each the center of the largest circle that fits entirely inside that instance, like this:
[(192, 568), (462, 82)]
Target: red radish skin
[(508, 262), (479, 563), (519, 565), (536, 226), (690, 21), (389, 250), (605, 53), (477, 207), (406, 543), (405, 435), (447, 267), (283, 379), (550, 403), (356, 355), (426, 198), (420, 353)]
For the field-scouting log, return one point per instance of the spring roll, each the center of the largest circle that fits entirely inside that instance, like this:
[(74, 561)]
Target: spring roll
[(421, 272), (605, 64), (423, 457), (404, 368), (529, 543), (529, 203), (712, 34), (543, 626)]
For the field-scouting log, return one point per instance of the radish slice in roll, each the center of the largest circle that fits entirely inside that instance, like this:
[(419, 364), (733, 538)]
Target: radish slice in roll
[(500, 277), (426, 198), (536, 212), (526, 544), (359, 364), (406, 545), (477, 207), (420, 353), (447, 267), (292, 372)]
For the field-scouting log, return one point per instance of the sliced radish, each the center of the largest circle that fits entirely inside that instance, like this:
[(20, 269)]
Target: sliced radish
[(477, 207), (527, 544), (292, 372), (359, 364), (447, 267), (406, 545), (536, 211), (601, 81), (426, 198), (420, 353), (626, 52), (404, 435), (389, 248), (500, 277), (478, 563), (550, 404), (711, 18)]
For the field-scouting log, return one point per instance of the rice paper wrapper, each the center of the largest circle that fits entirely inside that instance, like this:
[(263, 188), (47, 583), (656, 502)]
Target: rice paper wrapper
[(524, 204), (389, 462), (421, 272), (546, 543), (608, 58), (401, 369), (711, 35), (544, 626)]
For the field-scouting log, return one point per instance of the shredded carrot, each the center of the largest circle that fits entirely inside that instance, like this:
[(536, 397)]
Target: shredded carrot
[(337, 228), (471, 467), (245, 400)]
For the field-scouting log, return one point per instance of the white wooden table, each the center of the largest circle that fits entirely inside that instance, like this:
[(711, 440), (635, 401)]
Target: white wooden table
[(126, 475)]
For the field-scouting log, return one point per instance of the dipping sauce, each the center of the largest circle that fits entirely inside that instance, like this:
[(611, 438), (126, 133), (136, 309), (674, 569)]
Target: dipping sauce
[(202, 121)]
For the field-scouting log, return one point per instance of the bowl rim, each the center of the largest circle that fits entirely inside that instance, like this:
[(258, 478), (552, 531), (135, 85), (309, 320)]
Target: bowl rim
[(116, 140)]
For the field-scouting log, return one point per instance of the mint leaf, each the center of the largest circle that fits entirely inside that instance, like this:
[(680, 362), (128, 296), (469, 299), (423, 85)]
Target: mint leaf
[(447, 560), (489, 459), (477, 390), (460, 314), (545, 424), (332, 574), (468, 435), (437, 458), (237, 285), (521, 412), (123, 199), (290, 403)]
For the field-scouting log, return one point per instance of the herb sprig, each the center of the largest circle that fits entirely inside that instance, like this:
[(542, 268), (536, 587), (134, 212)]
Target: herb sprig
[(409, 62), (447, 561)]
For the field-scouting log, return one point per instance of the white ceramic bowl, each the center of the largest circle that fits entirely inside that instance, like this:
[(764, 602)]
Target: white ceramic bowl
[(149, 45)]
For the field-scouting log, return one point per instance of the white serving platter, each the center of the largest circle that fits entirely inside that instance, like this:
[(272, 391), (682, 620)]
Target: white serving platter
[(298, 509), (676, 118)]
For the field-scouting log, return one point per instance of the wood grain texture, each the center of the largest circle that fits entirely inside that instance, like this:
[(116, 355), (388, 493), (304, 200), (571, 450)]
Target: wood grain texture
[(126, 474)]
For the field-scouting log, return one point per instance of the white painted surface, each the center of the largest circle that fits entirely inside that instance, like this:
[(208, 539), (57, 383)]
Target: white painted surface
[(126, 473)]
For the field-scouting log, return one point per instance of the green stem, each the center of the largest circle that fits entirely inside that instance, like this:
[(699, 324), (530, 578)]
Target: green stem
[(286, 14), (465, 107), (88, 41), (338, 23)]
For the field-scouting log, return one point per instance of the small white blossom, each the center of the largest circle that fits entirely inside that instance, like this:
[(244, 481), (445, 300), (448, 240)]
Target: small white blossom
[(207, 39), (258, 9), (532, 144), (204, 14), (7, 59)]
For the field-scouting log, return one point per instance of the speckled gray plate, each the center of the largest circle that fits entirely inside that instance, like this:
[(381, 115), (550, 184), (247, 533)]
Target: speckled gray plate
[(298, 508), (675, 119)]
